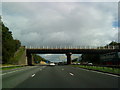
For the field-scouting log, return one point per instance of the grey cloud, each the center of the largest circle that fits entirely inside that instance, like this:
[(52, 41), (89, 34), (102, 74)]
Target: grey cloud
[(52, 24)]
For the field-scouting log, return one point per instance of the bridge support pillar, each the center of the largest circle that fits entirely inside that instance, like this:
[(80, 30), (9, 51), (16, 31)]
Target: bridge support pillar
[(68, 58), (29, 59)]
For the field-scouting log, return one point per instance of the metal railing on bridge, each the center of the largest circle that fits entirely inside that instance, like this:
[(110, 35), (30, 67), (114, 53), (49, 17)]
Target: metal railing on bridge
[(73, 47)]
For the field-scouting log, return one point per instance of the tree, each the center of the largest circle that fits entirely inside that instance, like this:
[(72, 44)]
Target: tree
[(113, 43), (38, 58), (75, 60), (0, 40), (9, 45), (95, 58), (92, 58)]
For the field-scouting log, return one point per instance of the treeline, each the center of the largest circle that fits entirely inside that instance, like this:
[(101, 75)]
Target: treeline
[(9, 45), (0, 41), (75, 60), (95, 58), (38, 59)]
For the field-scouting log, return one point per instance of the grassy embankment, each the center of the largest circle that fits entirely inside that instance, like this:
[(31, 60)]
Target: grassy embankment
[(104, 69), (15, 60)]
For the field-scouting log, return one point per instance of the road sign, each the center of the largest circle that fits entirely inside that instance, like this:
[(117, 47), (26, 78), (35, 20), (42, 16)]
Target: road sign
[(47, 62)]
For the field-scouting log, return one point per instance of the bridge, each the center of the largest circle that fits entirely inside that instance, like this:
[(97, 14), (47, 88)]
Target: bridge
[(68, 51)]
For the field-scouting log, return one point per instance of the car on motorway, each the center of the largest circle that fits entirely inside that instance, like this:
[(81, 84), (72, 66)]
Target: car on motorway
[(78, 63), (90, 63), (52, 64)]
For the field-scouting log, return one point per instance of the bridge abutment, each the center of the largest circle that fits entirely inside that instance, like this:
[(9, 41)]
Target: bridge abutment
[(29, 59), (68, 58)]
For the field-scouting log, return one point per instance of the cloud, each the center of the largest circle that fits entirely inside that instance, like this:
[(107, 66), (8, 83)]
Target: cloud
[(63, 23), (58, 57), (61, 1)]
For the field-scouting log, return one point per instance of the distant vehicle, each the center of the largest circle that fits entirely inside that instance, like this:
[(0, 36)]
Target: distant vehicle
[(52, 64), (84, 63), (90, 63), (74, 63)]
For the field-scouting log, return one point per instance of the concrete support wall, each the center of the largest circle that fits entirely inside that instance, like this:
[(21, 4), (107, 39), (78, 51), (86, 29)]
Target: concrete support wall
[(23, 59), (29, 59), (68, 58)]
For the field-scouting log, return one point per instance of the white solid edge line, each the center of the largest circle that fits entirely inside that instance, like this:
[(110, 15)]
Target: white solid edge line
[(101, 72), (106, 73), (16, 70)]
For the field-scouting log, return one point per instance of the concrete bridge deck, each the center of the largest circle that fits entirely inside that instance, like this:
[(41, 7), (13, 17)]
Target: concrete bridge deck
[(73, 51), (67, 51)]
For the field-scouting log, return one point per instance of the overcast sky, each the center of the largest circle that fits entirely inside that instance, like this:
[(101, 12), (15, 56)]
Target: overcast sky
[(61, 24)]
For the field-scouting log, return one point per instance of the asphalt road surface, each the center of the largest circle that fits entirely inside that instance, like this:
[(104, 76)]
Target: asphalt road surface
[(57, 77)]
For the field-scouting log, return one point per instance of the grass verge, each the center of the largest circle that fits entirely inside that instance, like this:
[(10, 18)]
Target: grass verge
[(103, 69), (12, 67), (18, 55)]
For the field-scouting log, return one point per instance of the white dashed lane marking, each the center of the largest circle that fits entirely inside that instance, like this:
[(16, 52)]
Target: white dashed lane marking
[(71, 74), (33, 75)]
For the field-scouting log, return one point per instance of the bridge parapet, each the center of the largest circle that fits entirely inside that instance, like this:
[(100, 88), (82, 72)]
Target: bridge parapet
[(68, 51), (74, 47)]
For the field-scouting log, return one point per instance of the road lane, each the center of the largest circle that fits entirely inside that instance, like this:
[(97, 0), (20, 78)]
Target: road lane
[(68, 77), (12, 78), (94, 79)]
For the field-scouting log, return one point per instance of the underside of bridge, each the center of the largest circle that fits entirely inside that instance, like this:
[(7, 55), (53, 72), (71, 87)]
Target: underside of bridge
[(68, 52), (30, 59)]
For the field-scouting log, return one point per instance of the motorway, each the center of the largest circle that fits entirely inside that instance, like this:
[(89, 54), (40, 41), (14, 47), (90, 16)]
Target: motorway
[(57, 77)]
